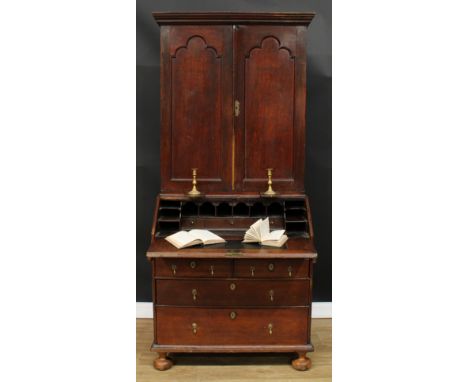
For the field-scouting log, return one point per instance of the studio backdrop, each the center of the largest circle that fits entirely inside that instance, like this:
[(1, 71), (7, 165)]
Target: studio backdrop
[(318, 120)]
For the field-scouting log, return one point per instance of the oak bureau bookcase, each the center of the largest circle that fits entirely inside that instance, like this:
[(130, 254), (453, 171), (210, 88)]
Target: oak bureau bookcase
[(233, 102)]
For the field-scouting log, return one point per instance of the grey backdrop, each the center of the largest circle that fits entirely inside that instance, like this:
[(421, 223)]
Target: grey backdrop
[(318, 154)]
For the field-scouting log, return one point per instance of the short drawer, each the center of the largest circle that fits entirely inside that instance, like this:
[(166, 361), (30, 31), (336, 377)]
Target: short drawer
[(274, 268), (233, 292), (168, 267), (231, 326)]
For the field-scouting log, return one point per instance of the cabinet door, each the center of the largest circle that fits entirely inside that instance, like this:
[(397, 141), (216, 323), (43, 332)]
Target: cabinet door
[(270, 90), (196, 107)]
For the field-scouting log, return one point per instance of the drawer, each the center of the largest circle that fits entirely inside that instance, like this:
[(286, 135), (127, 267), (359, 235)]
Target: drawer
[(274, 268), (234, 292), (218, 223), (171, 267), (232, 326)]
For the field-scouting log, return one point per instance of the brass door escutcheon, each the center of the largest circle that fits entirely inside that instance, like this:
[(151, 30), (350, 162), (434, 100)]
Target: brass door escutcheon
[(194, 294), (272, 293), (252, 270), (212, 270), (270, 328), (236, 108), (290, 271), (193, 264), (174, 267), (271, 267), (194, 327), (233, 315), (232, 286)]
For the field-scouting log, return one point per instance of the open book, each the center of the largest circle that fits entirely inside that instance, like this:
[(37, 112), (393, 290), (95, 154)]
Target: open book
[(183, 239), (259, 232)]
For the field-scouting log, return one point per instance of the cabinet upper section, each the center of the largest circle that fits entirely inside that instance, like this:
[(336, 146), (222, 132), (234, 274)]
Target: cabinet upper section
[(233, 101)]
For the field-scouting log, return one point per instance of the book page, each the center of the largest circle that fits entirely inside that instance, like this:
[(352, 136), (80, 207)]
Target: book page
[(207, 237), (264, 229), (274, 235), (182, 239), (276, 243), (255, 229)]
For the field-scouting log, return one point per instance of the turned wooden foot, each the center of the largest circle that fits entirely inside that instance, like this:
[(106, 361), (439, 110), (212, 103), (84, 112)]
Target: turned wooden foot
[(302, 363), (162, 363)]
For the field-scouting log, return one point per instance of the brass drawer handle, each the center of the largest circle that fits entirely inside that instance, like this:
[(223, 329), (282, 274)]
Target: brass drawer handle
[(194, 327), (272, 293), (290, 271), (212, 270), (193, 264), (174, 267), (194, 294), (232, 286), (271, 267), (270, 328), (233, 315), (252, 270)]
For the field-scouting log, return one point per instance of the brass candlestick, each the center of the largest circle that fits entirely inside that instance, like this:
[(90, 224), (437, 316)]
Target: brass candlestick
[(270, 191), (194, 191)]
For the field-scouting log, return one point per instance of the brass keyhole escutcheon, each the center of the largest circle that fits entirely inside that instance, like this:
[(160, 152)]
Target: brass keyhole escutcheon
[(174, 267), (272, 293), (233, 315), (270, 328), (212, 270), (252, 270), (194, 327), (232, 286), (271, 267), (194, 294), (193, 264), (290, 271)]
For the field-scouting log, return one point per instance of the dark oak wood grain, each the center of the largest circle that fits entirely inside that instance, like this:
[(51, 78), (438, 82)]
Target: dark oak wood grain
[(194, 18), (233, 292), (196, 94), (215, 326), (269, 72), (296, 248), (232, 105), (182, 267), (272, 268)]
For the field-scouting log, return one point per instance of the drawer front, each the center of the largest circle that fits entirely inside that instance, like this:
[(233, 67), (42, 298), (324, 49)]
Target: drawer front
[(274, 268), (233, 292), (223, 326), (168, 267)]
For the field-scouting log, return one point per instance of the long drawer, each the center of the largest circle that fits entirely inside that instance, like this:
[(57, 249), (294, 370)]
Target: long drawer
[(233, 292), (231, 326)]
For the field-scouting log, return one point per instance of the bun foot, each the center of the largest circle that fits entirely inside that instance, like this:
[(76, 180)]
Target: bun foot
[(162, 363), (302, 363)]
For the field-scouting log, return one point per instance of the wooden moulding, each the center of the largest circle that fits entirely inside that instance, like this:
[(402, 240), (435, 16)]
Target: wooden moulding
[(232, 348), (280, 18)]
